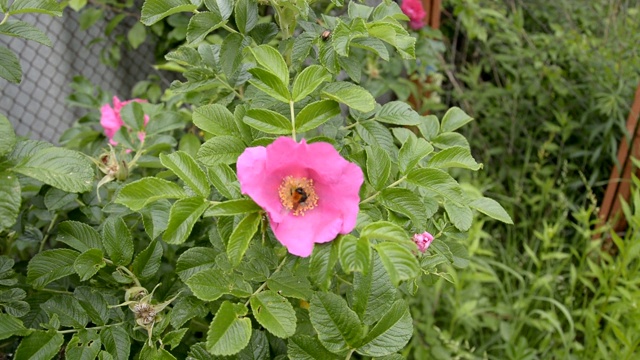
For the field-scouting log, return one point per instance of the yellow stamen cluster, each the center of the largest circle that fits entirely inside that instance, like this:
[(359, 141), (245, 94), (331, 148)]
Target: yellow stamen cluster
[(298, 194)]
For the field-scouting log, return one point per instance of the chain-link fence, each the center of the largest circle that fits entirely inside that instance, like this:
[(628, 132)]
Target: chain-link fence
[(37, 106)]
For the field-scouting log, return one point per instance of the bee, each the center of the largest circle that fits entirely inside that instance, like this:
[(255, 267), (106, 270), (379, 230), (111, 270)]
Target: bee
[(325, 35), (299, 196)]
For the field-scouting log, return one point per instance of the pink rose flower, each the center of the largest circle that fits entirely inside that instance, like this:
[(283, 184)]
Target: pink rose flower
[(423, 241), (111, 120), (309, 191), (414, 10)]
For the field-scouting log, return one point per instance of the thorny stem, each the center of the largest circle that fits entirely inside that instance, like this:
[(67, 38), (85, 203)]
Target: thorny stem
[(394, 184), (264, 284), (91, 328), (46, 236), (293, 121)]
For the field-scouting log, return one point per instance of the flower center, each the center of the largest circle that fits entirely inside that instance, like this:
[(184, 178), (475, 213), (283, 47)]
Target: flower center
[(298, 194)]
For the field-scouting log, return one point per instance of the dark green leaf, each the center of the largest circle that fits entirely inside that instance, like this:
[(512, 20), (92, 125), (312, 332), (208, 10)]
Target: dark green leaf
[(68, 310), (438, 182), (289, 284), (201, 24), (117, 241), (383, 230), (10, 194), (62, 168), (303, 347), (224, 8), (405, 202), (10, 326), (455, 156), (93, 302), (274, 313), (21, 29), (8, 136), (373, 292), (378, 167), (323, 260), (117, 342), (241, 236), (225, 181), (56, 199), (316, 114), (400, 263), (195, 260), (147, 262), (413, 150), (233, 207), (390, 334), (89, 263), (355, 254), (39, 345), (79, 236), (50, 265), (156, 10), (338, 327), (460, 215), (155, 217)]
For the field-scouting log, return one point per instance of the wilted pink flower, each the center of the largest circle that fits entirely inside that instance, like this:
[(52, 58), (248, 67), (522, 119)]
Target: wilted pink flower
[(423, 241), (414, 10), (309, 191), (111, 120)]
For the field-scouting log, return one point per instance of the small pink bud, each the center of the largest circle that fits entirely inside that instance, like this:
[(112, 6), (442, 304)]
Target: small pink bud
[(423, 241)]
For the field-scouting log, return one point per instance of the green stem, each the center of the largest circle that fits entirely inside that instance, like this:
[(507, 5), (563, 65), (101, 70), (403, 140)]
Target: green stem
[(349, 126), (394, 184), (229, 29), (91, 328), (46, 235), (139, 153), (264, 284), (293, 120), (127, 271), (226, 84), (349, 354), (4, 20)]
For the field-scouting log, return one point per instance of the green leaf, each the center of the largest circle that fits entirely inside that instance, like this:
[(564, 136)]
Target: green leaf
[(137, 35), (84, 345), (258, 348), (270, 84), (50, 265), (7, 135), (412, 151), (398, 113), (460, 215), (56, 199), (132, 115), (449, 139), (10, 68), (220, 150), (390, 334), (183, 216), (455, 156), (355, 254), (378, 167), (225, 180), (151, 352), (303, 347), (68, 310), (79, 236), (224, 8), (215, 119), (459, 254), (156, 10), (338, 327), (138, 194), (375, 134), (316, 114), (185, 309), (405, 202), (147, 262), (201, 24), (241, 236), (453, 119), (384, 230), (155, 217), (89, 17), (116, 341), (77, 5), (23, 30), (49, 7), (491, 208), (308, 81), (40, 345), (400, 263), (89, 263), (289, 284), (323, 260), (231, 54), (274, 313), (246, 15), (373, 292), (11, 326), (209, 285), (351, 95), (229, 333), (268, 121), (374, 45), (270, 58), (173, 338), (438, 182), (65, 169), (117, 241), (195, 260), (233, 207), (10, 194), (93, 302), (186, 168)]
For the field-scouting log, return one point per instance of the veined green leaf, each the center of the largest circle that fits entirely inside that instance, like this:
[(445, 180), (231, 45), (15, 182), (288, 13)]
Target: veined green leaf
[(460, 214), (405, 202), (10, 194), (323, 259), (10, 326), (40, 345), (390, 334), (270, 58), (308, 81), (355, 254), (492, 209), (220, 150), (10, 68), (89, 263), (303, 347), (398, 113), (50, 265), (400, 263), (351, 95), (229, 331), (182, 217), (373, 292), (85, 344), (233, 207), (412, 151), (155, 217), (8, 136), (21, 29), (338, 327), (79, 236), (225, 180), (378, 166), (195, 260), (241, 236), (455, 156), (215, 119), (138, 194), (147, 262), (454, 119), (156, 10), (201, 24), (384, 230), (316, 114), (224, 8), (268, 121), (49, 7), (274, 313), (117, 342), (186, 168), (289, 284), (68, 310), (438, 182), (270, 84), (246, 15), (62, 168)]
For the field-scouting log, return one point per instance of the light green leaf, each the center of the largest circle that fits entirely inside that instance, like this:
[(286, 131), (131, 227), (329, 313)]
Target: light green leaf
[(491, 208), (77, 5), (147, 262), (84, 345), (384, 230), (225, 180), (201, 24), (183, 216), (375, 134), (274, 313), (270, 58), (460, 215), (338, 327), (405, 202), (224, 8), (10, 194), (308, 81), (316, 114), (229, 332), (156, 10), (10, 68), (79, 236), (246, 15), (355, 254), (390, 334), (7, 135), (117, 241), (209, 284), (50, 265), (378, 166), (351, 95), (372, 44), (89, 263), (398, 113), (195, 260), (453, 119), (241, 236), (68, 310), (215, 119), (400, 263), (449, 139), (412, 151), (23, 30), (220, 150), (455, 156), (49, 7), (373, 292), (438, 182), (323, 260), (268, 121), (138, 194), (40, 345), (186, 168), (303, 347), (10, 326), (137, 35), (289, 284), (155, 217), (65, 169), (233, 207), (270, 84), (117, 342)]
